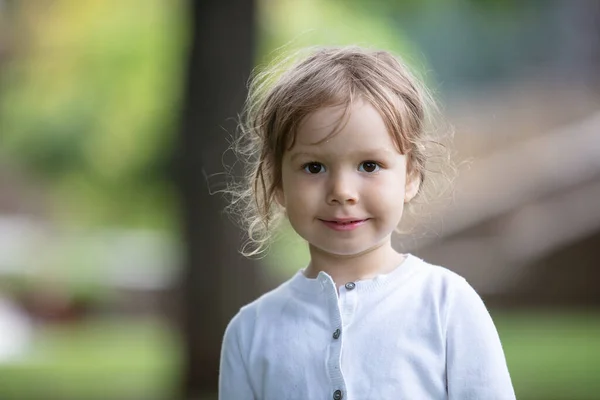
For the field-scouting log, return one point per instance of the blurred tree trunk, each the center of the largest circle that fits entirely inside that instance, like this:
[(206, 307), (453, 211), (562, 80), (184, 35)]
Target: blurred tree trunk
[(217, 280)]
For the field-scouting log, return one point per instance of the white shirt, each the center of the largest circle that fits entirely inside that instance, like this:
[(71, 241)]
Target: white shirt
[(419, 332)]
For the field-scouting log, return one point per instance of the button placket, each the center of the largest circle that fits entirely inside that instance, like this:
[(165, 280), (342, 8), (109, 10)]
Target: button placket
[(347, 302), (334, 355)]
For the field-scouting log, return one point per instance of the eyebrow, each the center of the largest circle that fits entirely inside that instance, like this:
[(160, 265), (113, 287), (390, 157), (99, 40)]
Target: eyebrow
[(359, 154)]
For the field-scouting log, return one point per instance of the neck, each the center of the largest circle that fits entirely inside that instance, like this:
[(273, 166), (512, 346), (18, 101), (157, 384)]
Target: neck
[(378, 260)]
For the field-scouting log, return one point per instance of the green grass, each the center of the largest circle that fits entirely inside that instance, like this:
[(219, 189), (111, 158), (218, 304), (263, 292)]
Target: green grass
[(551, 356), (106, 359)]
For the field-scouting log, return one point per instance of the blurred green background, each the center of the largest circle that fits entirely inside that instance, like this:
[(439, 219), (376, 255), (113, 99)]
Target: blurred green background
[(91, 249)]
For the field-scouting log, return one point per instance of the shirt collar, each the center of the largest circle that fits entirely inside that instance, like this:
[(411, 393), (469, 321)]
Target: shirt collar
[(323, 280)]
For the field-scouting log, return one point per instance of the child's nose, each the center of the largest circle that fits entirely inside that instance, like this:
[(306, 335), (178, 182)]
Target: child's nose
[(342, 190)]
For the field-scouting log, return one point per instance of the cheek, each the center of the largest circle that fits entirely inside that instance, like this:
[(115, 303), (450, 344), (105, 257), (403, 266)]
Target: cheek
[(297, 193), (300, 209), (387, 193)]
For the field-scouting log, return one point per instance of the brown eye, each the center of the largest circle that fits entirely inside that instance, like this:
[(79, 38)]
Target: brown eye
[(368, 166), (314, 168)]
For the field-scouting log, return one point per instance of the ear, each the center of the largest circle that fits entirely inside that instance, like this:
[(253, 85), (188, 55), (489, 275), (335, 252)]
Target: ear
[(413, 183)]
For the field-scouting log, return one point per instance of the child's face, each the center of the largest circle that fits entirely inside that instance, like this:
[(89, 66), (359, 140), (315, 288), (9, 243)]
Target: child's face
[(345, 195)]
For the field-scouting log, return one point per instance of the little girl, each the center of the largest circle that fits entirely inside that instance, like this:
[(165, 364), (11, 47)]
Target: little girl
[(337, 145)]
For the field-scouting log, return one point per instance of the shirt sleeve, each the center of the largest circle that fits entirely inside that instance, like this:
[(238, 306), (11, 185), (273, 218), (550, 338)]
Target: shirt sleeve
[(234, 381), (476, 367)]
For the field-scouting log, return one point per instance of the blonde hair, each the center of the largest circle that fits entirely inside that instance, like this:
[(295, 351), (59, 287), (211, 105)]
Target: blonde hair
[(278, 101)]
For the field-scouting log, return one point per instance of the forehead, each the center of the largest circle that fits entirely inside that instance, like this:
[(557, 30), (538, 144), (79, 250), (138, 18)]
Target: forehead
[(359, 124)]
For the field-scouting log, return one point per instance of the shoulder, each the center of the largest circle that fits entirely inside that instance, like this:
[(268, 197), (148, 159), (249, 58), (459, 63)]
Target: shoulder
[(434, 271), (443, 288), (458, 301), (437, 278)]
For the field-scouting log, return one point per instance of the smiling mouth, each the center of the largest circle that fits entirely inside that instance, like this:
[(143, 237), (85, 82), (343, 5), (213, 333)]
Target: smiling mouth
[(344, 225)]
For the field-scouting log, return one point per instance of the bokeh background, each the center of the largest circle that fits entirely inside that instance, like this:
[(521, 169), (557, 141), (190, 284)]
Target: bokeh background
[(118, 268)]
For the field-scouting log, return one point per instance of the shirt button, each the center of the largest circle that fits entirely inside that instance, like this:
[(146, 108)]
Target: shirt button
[(338, 395), (350, 285), (336, 334)]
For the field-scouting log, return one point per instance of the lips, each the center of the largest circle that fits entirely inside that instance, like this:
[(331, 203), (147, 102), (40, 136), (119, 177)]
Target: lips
[(344, 224)]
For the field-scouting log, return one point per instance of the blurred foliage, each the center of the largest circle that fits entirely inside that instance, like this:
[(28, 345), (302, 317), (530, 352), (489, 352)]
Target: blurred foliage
[(287, 25), (390, 8), (89, 101)]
